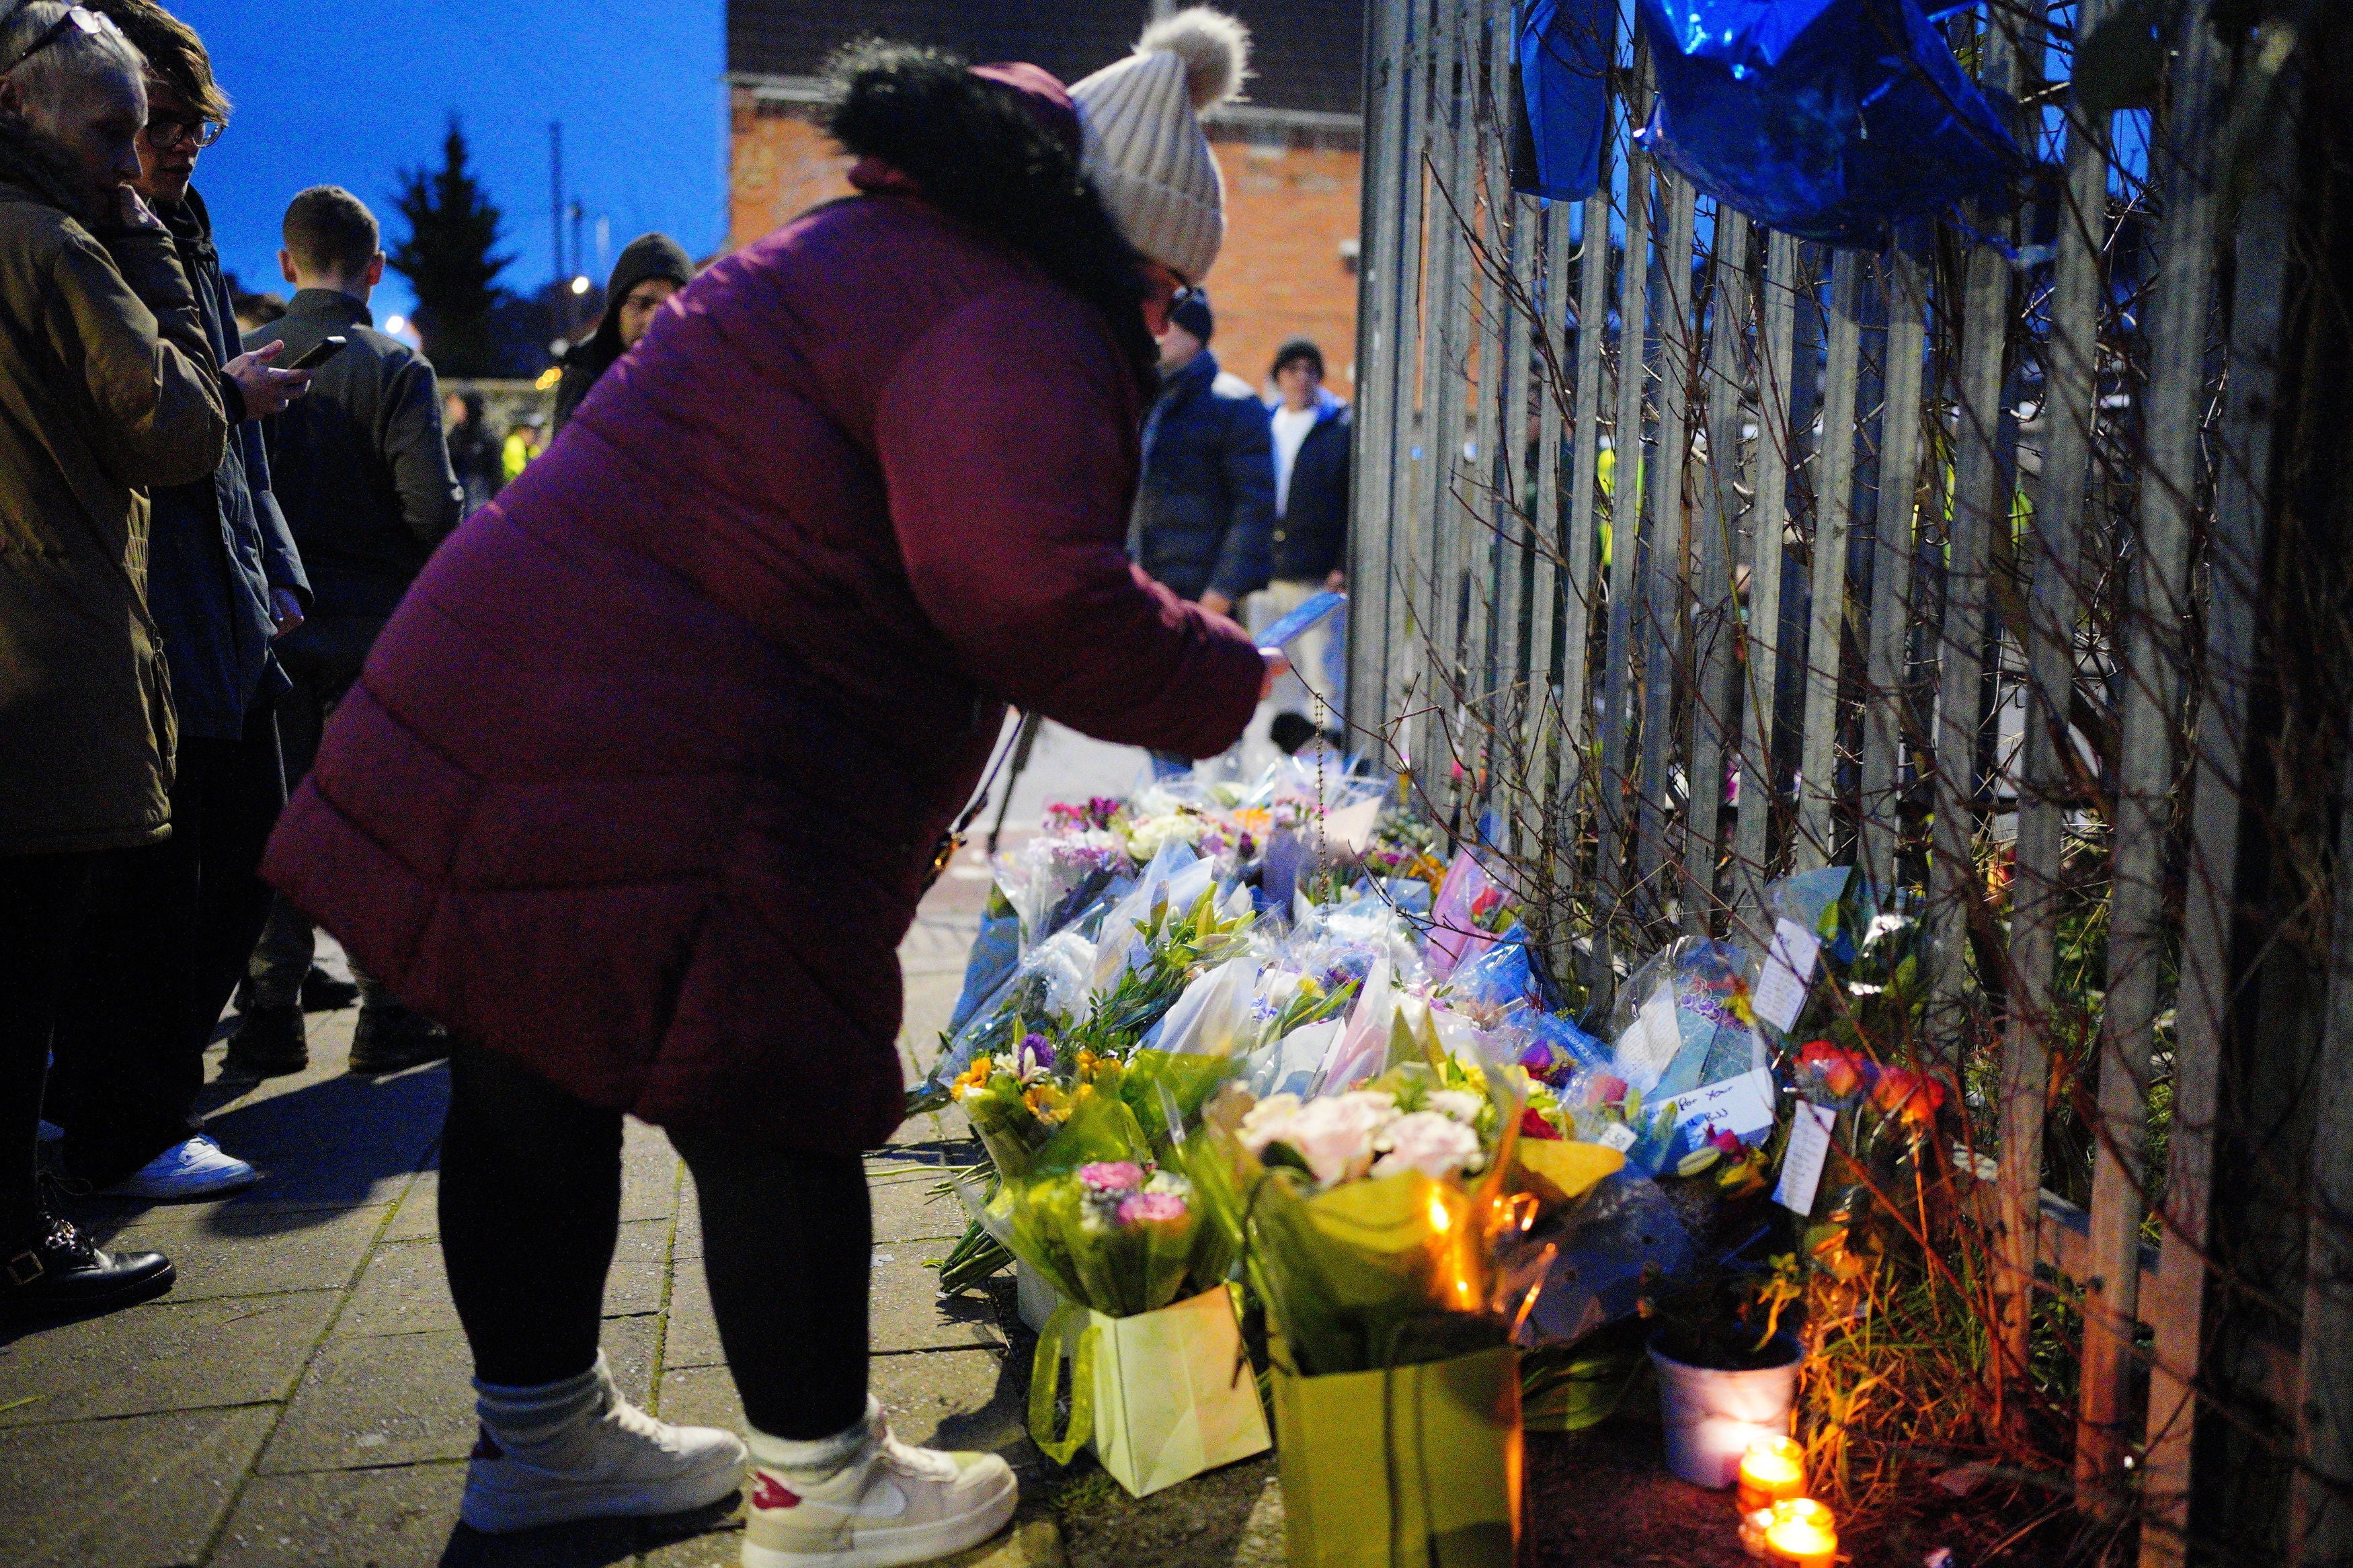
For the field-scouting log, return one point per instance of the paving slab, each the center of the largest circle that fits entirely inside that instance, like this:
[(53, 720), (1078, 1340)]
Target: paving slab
[(405, 1290), (230, 1250), (379, 1132), (650, 1172), (908, 1313), (909, 1207), (418, 1215), (163, 1356), (401, 1399), (692, 1335), (146, 1492)]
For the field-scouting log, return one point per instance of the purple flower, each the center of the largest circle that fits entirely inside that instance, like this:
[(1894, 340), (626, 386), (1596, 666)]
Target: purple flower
[(1146, 1207), (1034, 1055), (1112, 1176)]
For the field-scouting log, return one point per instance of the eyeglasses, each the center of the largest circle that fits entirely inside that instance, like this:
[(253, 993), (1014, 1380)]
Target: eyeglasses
[(80, 16), (166, 132)]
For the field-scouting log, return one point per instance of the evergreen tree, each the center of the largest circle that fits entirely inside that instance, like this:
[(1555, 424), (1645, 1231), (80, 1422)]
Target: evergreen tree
[(447, 259)]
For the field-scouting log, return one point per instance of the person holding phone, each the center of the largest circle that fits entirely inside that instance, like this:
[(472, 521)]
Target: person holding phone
[(173, 929), (362, 471), (112, 391)]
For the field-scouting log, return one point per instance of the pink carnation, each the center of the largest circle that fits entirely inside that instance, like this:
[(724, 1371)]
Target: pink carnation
[(1146, 1207), (1111, 1175)]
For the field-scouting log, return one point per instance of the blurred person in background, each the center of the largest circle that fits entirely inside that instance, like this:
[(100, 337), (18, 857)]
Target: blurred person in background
[(473, 451), (113, 389), (1313, 434), (255, 311), (164, 948), (518, 449), (749, 628), (1204, 508), (362, 474), (652, 268)]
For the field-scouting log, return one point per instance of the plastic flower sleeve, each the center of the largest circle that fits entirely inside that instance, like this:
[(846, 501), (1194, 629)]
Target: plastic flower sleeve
[(1455, 934)]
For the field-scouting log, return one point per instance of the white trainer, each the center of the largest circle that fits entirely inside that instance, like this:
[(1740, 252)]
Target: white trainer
[(890, 1504), (605, 1459), (191, 1169)]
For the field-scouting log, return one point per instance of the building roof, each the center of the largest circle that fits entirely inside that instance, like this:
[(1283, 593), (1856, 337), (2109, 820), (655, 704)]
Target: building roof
[(1308, 55)]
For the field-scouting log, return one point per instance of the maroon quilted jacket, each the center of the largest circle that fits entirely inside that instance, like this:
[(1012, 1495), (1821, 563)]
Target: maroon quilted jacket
[(642, 781)]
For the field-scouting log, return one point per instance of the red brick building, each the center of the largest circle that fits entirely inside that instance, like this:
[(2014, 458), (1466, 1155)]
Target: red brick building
[(1291, 153)]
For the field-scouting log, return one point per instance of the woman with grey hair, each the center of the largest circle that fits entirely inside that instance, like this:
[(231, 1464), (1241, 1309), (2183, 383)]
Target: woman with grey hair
[(109, 389)]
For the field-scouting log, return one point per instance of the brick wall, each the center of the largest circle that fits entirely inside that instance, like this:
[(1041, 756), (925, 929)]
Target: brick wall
[(1290, 206)]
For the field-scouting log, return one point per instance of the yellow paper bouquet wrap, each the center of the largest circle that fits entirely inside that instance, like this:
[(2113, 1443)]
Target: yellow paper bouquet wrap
[(1382, 1226)]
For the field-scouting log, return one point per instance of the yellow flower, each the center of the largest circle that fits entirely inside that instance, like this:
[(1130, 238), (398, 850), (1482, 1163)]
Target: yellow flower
[(1309, 988), (1046, 1103), (975, 1078)]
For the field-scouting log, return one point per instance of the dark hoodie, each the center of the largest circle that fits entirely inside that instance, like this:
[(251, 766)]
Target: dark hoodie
[(648, 256)]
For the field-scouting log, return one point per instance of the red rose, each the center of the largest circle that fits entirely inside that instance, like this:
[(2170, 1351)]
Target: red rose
[(1534, 1125)]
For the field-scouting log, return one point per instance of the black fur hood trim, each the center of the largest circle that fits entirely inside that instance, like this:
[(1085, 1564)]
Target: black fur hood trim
[(980, 154)]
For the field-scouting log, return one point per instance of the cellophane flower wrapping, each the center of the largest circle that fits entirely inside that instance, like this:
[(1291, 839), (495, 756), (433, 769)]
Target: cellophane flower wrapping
[(1103, 1222), (1375, 1223)]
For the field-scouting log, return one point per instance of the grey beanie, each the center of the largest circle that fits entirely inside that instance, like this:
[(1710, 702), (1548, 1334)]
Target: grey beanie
[(1145, 149)]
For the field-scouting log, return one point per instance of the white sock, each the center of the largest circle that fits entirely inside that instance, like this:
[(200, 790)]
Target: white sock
[(519, 1415), (818, 1456)]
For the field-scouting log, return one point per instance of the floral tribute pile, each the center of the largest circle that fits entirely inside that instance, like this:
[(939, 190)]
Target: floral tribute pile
[(1283, 1035)]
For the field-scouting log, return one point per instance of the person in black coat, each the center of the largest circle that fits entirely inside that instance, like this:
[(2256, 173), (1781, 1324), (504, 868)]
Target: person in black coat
[(652, 268), (1205, 504), (364, 474), (1312, 433)]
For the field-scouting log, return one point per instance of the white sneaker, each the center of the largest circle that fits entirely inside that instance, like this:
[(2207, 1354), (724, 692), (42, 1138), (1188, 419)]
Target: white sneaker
[(890, 1504), (192, 1168), (613, 1461)]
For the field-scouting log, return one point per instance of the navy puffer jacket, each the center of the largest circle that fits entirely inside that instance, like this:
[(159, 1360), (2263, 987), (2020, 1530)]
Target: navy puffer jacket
[(1205, 509)]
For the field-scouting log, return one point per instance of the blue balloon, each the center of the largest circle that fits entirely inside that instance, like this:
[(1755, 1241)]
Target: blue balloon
[(1828, 119), (1560, 54)]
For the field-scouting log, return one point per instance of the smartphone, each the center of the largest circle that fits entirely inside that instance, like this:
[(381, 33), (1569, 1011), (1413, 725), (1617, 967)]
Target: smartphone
[(320, 353)]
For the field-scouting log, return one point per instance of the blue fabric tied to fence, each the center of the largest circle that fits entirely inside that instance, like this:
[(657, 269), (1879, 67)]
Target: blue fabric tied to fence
[(1829, 119), (1560, 59)]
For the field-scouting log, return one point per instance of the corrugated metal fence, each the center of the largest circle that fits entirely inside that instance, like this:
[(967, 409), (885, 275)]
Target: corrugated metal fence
[(1699, 555)]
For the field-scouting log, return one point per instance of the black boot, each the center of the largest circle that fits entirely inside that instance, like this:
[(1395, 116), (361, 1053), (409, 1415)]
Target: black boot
[(323, 992), (391, 1038), (56, 1270), (268, 1042)]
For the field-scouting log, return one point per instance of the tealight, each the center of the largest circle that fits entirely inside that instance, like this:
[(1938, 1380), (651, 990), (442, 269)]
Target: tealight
[(1753, 1527), (1803, 1534), (1773, 1471)]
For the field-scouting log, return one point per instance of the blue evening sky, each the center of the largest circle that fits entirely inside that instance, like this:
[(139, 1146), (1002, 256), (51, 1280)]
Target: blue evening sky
[(349, 91)]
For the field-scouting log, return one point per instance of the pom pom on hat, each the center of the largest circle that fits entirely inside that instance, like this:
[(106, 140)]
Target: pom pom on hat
[(1144, 148), (1214, 47)]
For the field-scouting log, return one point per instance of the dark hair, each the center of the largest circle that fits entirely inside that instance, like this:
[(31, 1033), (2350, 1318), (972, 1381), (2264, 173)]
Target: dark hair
[(329, 229), (1295, 350), (174, 53), (978, 154)]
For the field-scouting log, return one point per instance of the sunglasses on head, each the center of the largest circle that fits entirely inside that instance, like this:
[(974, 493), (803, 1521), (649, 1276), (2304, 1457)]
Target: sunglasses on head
[(81, 17)]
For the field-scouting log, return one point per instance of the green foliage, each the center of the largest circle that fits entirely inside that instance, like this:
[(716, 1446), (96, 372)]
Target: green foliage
[(447, 260)]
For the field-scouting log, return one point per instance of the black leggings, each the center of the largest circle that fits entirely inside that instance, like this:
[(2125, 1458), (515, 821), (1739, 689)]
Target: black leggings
[(530, 1205)]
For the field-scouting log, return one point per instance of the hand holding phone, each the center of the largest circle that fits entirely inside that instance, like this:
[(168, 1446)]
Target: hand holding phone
[(320, 353)]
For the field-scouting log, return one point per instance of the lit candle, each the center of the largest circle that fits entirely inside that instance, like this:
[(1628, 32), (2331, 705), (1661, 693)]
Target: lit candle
[(1774, 1472), (1753, 1527), (1802, 1533)]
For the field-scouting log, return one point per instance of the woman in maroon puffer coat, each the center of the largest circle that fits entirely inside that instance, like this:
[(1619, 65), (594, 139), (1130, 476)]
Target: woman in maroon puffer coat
[(642, 783)]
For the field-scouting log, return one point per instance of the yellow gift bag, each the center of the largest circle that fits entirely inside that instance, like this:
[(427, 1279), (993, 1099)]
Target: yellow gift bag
[(1161, 1396), (1410, 1466)]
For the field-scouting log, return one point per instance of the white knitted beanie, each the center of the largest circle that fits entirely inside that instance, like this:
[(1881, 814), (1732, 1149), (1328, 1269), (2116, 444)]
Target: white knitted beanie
[(1145, 149)]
